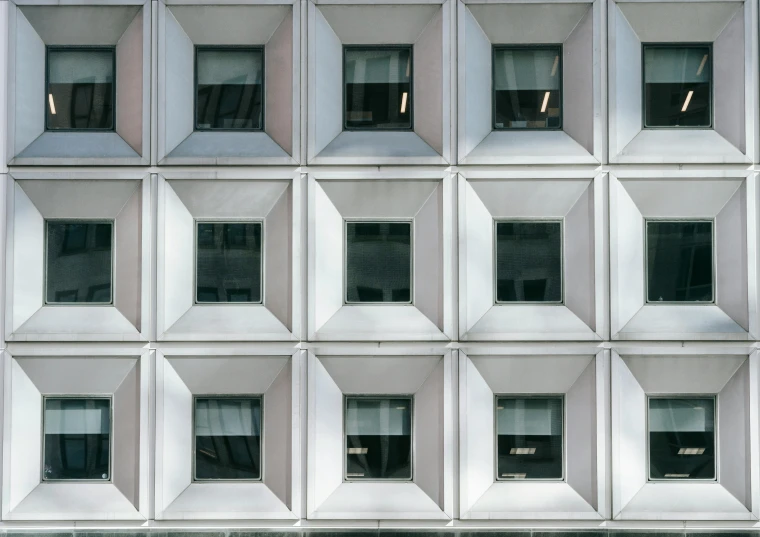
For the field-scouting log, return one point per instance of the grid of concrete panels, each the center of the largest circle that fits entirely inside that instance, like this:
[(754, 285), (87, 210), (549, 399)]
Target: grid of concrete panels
[(604, 348)]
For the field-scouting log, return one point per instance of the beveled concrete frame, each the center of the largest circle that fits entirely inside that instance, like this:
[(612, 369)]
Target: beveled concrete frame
[(183, 24), (182, 373), (726, 197), (34, 24), (731, 373), (581, 373), (579, 200), (731, 27), (577, 26), (428, 201), (33, 197), (124, 374), (427, 374), (275, 196), (425, 25)]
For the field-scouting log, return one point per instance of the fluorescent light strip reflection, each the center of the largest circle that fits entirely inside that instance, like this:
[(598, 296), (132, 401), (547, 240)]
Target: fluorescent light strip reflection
[(546, 101), (676, 475), (357, 450), (52, 103), (556, 64), (702, 65), (687, 101), (403, 102), (522, 451), (691, 451), (514, 476)]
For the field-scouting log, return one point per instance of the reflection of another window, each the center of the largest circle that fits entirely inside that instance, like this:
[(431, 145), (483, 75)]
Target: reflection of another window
[(378, 438), (77, 443), (682, 438), (227, 438), (679, 261), (529, 437), (378, 88), (527, 84)]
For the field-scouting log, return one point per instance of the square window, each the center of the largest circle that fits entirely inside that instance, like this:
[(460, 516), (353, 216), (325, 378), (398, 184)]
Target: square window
[(80, 88), (77, 443), (378, 262), (682, 438), (529, 438), (229, 262), (528, 262), (227, 438), (679, 261), (527, 87), (378, 88), (378, 438), (677, 86), (79, 256), (229, 88)]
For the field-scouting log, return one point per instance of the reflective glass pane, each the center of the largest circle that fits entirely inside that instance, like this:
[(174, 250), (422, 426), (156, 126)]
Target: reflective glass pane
[(77, 438), (378, 92), (679, 261), (682, 438), (80, 91), (228, 438), (529, 438), (378, 438), (78, 268), (378, 262), (526, 87), (230, 85), (677, 84), (229, 262), (528, 262)]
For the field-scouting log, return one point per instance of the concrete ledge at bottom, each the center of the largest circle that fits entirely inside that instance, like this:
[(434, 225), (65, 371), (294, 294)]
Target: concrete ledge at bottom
[(204, 147), (529, 147), (73, 146), (387, 147)]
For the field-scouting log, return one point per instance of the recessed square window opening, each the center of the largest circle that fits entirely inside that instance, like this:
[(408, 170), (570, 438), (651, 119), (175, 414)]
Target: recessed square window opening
[(229, 262), (377, 89), (378, 262), (682, 438), (527, 87), (679, 260), (528, 262), (229, 88), (529, 438), (78, 262), (227, 438), (81, 89), (77, 438), (677, 85), (378, 438)]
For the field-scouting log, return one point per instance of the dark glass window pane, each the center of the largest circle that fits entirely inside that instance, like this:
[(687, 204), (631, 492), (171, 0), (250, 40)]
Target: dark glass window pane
[(378, 262), (228, 438), (77, 438), (80, 93), (378, 93), (79, 257), (378, 438), (229, 262), (528, 262), (682, 438), (679, 261), (529, 438), (230, 88), (677, 86), (526, 88)]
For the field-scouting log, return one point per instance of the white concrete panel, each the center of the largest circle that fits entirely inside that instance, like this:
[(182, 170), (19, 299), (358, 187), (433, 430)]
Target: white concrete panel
[(179, 262), (731, 253), (676, 146), (379, 198), (327, 228), (177, 97), (379, 374), (532, 501), (400, 323), (83, 148), (428, 258), (80, 24), (80, 198), (728, 80), (578, 263), (327, 86), (733, 436), (476, 115), (685, 501), (581, 441), (278, 446), (227, 321), (129, 84), (326, 444), (229, 24), (357, 147), (28, 258), (684, 198), (127, 259), (378, 24), (530, 321), (661, 321), (683, 374), (578, 82), (427, 84), (429, 427), (75, 501), (228, 375), (70, 323), (379, 500), (278, 77), (29, 83), (528, 374), (278, 257), (176, 415), (675, 22), (92, 375), (478, 249), (227, 501), (220, 148), (524, 23), (625, 83), (219, 198), (528, 147), (126, 436)]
